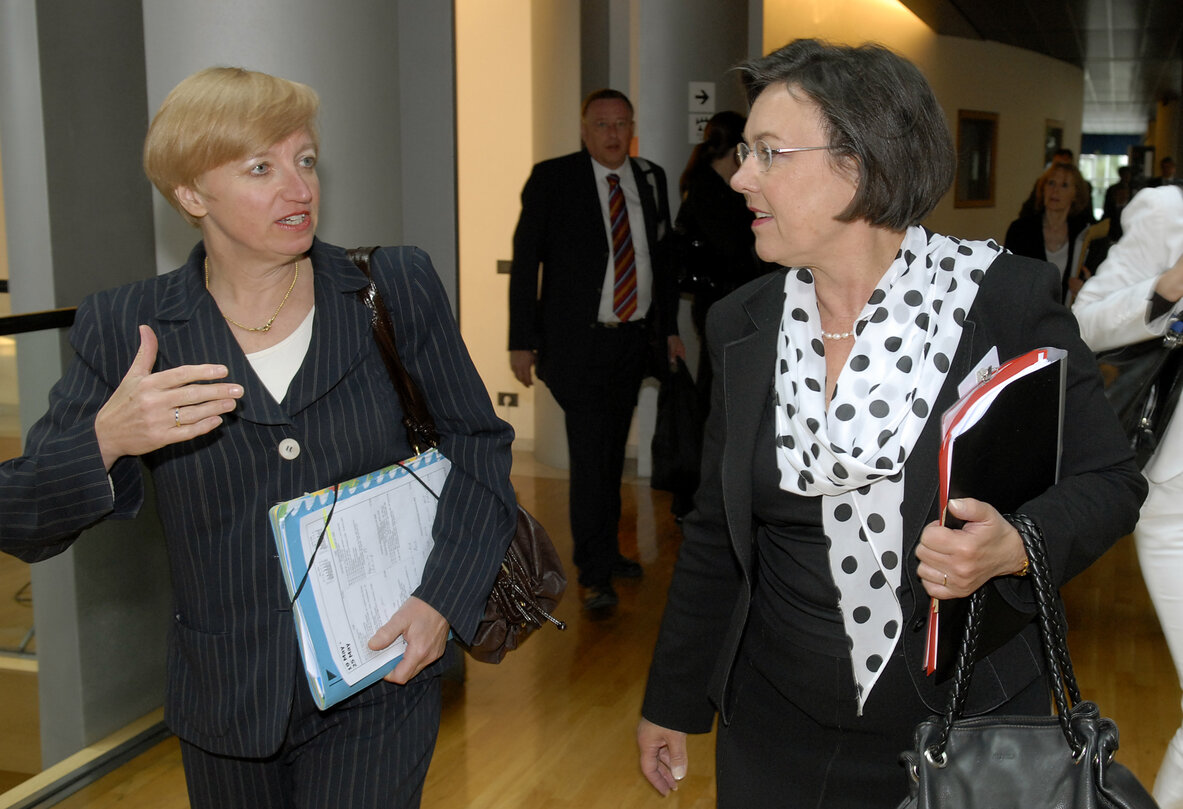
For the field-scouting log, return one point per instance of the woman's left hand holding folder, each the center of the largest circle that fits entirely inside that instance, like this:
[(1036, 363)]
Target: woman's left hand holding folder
[(954, 562), (426, 634)]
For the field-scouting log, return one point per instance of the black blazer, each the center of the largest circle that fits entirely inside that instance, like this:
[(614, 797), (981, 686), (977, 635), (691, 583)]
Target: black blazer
[(1024, 237), (232, 655), (561, 229), (1095, 503)]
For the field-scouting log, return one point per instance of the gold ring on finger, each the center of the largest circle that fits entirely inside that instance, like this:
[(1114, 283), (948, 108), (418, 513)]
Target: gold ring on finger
[(944, 579), (177, 416)]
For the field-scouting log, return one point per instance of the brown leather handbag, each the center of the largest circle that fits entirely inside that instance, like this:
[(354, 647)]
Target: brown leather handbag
[(531, 580)]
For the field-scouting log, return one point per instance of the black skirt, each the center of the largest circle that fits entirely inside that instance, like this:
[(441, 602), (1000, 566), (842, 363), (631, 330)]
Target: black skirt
[(796, 740)]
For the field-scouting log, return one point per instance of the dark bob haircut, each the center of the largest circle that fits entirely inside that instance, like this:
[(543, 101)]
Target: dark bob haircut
[(879, 113)]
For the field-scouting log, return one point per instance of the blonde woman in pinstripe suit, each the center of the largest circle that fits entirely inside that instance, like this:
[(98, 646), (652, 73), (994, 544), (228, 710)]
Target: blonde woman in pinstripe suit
[(246, 377)]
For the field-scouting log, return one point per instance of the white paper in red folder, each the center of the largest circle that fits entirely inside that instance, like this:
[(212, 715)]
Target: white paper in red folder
[(1000, 443)]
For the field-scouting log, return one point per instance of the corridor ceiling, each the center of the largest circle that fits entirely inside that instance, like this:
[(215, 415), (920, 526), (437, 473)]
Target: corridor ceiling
[(1131, 50)]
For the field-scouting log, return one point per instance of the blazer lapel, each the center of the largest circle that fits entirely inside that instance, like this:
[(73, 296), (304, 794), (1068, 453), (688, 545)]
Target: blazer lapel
[(191, 331), (748, 364), (921, 479), (340, 331), (587, 197)]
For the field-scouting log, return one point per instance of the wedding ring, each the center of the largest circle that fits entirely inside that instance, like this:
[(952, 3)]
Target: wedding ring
[(945, 579), (177, 416)]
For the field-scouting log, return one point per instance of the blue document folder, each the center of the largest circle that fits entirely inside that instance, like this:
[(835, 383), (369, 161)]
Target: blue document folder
[(364, 567)]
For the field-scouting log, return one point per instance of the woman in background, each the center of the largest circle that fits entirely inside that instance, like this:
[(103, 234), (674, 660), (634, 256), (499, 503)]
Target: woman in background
[(1055, 230), (713, 243), (714, 225), (713, 230)]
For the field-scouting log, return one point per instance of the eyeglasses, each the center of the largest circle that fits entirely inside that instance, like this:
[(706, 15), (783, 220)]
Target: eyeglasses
[(604, 126), (764, 152)]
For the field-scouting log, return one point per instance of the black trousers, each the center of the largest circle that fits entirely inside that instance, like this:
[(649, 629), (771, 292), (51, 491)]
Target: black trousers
[(598, 403), (366, 752)]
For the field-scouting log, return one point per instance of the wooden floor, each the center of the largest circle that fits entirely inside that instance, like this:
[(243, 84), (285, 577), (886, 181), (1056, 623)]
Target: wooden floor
[(552, 726)]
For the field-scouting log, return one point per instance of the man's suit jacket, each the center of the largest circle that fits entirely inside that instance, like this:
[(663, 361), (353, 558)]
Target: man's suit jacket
[(562, 229), (232, 658), (1111, 306), (1096, 502)]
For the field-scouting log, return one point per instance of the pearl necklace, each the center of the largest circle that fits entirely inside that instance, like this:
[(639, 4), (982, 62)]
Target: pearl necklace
[(842, 335), (266, 327)]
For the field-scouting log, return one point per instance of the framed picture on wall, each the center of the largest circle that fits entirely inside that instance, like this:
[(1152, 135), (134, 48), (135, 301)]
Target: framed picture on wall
[(1053, 139), (977, 152)]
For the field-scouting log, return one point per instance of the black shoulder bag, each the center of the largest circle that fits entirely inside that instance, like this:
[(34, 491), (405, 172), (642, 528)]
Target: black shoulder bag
[(531, 580), (1021, 762), (1142, 382)]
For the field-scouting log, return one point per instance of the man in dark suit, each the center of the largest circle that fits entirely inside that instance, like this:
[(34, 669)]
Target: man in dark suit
[(597, 222), (1166, 174)]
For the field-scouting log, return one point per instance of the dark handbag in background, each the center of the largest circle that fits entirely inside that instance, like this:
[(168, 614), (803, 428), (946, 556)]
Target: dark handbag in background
[(677, 433), (1142, 383), (1021, 762), (531, 580)]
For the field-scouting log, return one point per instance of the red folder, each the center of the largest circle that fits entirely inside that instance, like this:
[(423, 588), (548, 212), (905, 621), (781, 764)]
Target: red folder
[(1000, 443)]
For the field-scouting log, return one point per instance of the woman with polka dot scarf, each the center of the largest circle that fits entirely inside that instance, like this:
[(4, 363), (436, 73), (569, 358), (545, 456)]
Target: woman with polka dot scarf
[(799, 601)]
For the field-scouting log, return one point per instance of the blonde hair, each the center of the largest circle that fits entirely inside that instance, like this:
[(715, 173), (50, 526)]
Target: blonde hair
[(221, 114), (1080, 196)]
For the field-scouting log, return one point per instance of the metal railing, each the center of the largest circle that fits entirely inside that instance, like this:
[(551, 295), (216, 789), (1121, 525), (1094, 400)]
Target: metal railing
[(37, 321)]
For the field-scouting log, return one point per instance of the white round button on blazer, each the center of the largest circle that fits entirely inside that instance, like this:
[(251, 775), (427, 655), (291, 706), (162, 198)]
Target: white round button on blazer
[(289, 448)]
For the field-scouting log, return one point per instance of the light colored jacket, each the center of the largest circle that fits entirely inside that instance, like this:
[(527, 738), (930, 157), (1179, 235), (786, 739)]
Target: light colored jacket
[(1113, 306)]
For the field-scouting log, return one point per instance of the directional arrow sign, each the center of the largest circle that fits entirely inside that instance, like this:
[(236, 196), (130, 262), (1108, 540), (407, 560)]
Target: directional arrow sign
[(702, 96)]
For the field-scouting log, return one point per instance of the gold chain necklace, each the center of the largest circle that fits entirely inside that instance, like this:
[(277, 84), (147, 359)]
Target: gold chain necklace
[(266, 326)]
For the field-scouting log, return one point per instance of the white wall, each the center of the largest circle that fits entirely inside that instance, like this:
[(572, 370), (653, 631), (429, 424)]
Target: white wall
[(495, 137), (1024, 88)]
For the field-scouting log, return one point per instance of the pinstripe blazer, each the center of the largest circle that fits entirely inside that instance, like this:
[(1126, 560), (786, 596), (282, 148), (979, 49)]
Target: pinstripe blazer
[(232, 654)]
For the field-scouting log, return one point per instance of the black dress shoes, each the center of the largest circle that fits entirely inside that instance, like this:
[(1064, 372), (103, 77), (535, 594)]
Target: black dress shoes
[(600, 599), (624, 568)]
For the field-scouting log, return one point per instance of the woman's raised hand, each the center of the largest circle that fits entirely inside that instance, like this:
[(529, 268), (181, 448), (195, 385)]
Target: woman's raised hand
[(151, 410)]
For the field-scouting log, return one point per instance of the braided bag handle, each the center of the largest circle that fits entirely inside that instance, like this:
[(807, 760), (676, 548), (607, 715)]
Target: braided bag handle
[(1052, 629)]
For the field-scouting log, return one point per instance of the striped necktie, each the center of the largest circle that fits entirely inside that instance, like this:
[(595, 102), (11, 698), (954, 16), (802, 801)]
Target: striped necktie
[(624, 287)]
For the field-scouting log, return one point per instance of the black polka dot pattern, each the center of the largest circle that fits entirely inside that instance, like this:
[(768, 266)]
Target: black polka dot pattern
[(853, 454)]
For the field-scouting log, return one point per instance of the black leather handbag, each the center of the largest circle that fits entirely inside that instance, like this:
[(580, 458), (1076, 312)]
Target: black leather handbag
[(531, 579), (999, 762), (677, 433), (1142, 382)]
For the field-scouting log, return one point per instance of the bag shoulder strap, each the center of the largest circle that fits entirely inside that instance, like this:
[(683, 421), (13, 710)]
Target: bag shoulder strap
[(421, 432)]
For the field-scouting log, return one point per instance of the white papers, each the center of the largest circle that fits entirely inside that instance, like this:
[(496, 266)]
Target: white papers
[(370, 561), (974, 404)]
